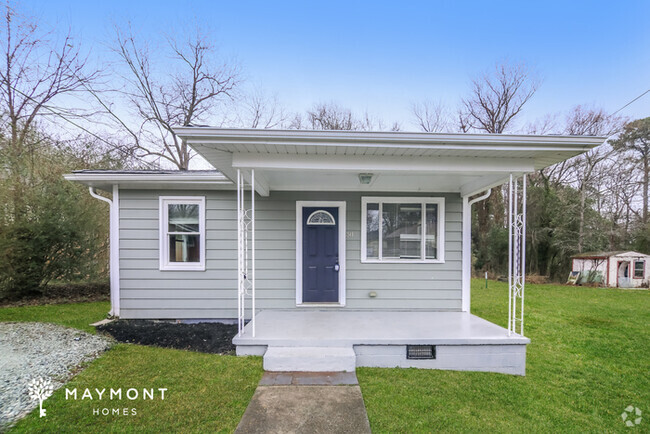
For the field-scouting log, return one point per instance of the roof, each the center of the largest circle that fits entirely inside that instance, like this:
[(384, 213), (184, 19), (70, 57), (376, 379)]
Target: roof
[(392, 143), (401, 161), (330, 160), (603, 255), (151, 179)]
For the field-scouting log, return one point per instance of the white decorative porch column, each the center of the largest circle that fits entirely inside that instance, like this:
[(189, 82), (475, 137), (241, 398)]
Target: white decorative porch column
[(245, 252), (516, 253)]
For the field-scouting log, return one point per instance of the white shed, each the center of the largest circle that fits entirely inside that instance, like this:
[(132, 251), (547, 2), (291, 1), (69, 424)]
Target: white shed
[(620, 269)]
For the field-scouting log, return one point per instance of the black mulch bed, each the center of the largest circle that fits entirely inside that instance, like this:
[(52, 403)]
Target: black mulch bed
[(214, 338)]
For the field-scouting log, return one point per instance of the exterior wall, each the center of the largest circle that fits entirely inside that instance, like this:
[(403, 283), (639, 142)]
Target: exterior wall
[(146, 292), (591, 265), (609, 269), (506, 359), (634, 283)]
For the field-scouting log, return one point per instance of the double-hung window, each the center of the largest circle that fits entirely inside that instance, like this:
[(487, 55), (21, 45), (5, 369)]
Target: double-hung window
[(402, 229), (639, 269), (182, 233)]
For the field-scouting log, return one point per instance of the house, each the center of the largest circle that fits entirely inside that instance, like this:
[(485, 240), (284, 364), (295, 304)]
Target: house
[(330, 249), (621, 269)]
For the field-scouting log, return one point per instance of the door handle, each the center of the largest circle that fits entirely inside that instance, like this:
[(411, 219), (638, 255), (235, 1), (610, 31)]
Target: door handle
[(337, 267)]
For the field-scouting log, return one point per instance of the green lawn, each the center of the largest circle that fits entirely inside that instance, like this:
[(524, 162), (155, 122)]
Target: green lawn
[(589, 359), (76, 315), (205, 392)]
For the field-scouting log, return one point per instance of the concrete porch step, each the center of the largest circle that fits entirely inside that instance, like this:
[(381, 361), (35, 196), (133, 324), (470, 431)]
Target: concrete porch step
[(310, 359)]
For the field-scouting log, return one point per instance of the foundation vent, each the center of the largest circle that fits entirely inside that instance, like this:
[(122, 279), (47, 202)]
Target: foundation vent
[(420, 352)]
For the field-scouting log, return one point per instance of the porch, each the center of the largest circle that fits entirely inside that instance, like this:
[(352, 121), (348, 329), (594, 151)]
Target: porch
[(341, 340), (403, 238)]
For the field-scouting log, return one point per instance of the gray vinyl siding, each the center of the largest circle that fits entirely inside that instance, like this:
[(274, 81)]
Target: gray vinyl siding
[(147, 292)]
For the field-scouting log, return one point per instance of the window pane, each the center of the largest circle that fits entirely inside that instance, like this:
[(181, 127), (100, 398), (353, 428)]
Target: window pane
[(184, 248), (639, 269), (401, 230), (183, 217), (431, 242), (372, 230)]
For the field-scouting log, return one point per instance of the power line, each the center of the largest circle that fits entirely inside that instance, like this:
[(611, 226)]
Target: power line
[(631, 102)]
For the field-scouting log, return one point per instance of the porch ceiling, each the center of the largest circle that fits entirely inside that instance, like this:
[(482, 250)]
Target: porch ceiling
[(400, 162)]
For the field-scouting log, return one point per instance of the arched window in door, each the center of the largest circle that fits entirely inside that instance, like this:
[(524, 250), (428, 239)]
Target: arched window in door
[(321, 217)]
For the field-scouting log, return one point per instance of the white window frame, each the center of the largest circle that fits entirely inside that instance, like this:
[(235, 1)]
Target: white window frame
[(440, 201), (163, 238)]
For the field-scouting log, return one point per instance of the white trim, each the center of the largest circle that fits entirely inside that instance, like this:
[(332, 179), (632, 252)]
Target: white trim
[(115, 251), (372, 139), (341, 205), (377, 163), (423, 200), (146, 181), (466, 285), (466, 277), (113, 177), (163, 243)]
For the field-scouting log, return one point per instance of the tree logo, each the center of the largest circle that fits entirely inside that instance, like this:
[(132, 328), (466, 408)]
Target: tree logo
[(40, 389), (631, 416)]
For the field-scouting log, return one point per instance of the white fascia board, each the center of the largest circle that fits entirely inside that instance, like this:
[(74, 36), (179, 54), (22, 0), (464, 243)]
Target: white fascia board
[(127, 177), (388, 139), (105, 181), (380, 163)]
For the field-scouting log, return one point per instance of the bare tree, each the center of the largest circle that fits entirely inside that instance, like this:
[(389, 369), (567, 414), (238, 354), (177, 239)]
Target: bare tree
[(590, 122), (497, 98), (330, 116), (615, 192), (36, 72), (546, 125), (259, 110), (430, 116), (373, 123), (187, 92), (635, 142)]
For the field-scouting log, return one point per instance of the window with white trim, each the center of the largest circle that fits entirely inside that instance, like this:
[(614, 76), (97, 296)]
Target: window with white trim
[(639, 269), (402, 229), (182, 233)]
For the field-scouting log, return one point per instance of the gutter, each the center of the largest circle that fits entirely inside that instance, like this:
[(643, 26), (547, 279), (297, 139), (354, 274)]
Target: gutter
[(382, 139), (114, 246), (467, 248)]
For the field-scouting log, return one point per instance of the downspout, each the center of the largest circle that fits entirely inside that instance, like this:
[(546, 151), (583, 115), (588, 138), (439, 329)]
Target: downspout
[(114, 246), (467, 248)]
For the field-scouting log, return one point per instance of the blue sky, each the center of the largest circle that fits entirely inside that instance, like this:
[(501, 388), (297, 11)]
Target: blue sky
[(383, 56)]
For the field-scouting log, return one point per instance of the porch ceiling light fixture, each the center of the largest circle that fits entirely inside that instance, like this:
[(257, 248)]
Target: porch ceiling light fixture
[(365, 178)]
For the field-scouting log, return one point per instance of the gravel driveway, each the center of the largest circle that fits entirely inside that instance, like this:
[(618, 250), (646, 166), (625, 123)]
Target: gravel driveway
[(29, 350)]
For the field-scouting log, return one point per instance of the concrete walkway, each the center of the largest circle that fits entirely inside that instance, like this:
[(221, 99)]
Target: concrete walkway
[(306, 402)]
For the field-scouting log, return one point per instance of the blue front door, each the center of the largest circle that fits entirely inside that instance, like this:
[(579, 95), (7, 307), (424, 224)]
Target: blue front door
[(320, 255)]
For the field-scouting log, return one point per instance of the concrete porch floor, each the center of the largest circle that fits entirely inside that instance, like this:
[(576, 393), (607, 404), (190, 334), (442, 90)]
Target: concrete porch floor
[(342, 340), (323, 328)]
